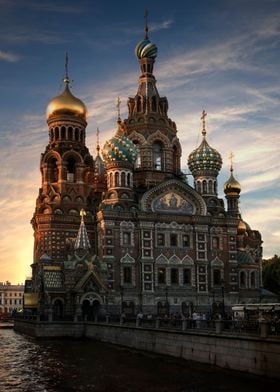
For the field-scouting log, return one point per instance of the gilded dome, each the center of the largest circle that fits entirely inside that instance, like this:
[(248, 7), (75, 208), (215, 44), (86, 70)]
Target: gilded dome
[(119, 148), (241, 228), (205, 160), (232, 185), (146, 49), (66, 103)]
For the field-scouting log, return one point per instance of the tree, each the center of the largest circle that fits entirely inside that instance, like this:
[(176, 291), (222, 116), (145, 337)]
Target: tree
[(271, 274)]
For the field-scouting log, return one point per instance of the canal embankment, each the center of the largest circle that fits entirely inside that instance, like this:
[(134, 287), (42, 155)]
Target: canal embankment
[(237, 351)]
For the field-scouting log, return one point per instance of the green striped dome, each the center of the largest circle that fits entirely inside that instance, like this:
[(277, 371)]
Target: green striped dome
[(146, 49), (205, 160), (118, 149)]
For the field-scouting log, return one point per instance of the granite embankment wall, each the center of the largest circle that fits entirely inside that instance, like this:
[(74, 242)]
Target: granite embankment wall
[(245, 353)]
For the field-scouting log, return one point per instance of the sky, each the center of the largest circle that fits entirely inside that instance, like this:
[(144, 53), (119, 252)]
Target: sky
[(219, 55)]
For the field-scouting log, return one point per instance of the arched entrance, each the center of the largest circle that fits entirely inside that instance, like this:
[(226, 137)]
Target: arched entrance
[(91, 304), (57, 309)]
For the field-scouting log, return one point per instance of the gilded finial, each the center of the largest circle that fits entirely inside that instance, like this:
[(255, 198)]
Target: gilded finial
[(146, 29), (118, 106), (204, 114), (66, 78), (82, 214), (97, 141), (231, 156)]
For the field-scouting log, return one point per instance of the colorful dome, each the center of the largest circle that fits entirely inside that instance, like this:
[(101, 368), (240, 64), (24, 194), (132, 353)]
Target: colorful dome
[(119, 149), (232, 185), (241, 228), (146, 49), (205, 160), (66, 103)]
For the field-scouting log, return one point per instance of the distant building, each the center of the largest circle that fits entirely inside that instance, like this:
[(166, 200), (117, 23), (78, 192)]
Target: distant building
[(146, 239), (11, 297)]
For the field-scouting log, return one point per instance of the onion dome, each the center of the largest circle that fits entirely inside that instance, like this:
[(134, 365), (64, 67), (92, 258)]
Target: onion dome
[(66, 103), (119, 149), (146, 49), (232, 186), (241, 228), (204, 159)]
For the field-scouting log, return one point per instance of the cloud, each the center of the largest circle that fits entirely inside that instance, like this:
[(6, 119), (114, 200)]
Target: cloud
[(164, 25), (46, 6), (9, 57)]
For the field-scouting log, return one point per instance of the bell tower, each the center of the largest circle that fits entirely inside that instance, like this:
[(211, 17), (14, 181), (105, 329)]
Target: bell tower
[(148, 124), (67, 170)]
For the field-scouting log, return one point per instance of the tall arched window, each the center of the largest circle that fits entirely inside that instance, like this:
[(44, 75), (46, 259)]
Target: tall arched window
[(52, 170), (117, 179), (111, 180), (63, 133), (128, 179), (253, 280), (175, 159), (123, 179), (76, 134), (210, 184), (242, 278), (198, 186), (71, 168), (70, 133), (157, 156), (204, 186)]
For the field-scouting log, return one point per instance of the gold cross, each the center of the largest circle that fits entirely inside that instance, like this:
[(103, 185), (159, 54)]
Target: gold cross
[(118, 105), (66, 65), (204, 114), (231, 156), (146, 23)]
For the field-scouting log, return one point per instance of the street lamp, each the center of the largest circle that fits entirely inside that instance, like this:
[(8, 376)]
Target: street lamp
[(166, 300), (223, 297), (121, 294)]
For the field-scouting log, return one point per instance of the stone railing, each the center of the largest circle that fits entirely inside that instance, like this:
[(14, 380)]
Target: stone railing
[(237, 327)]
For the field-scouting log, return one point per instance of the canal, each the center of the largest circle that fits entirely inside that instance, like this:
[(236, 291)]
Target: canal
[(27, 364)]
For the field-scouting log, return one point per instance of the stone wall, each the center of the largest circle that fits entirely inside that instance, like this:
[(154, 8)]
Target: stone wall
[(245, 353)]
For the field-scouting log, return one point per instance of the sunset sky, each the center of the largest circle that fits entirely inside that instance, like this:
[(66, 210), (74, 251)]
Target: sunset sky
[(219, 55)]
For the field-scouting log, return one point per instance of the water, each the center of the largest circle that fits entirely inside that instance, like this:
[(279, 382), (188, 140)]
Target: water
[(66, 365)]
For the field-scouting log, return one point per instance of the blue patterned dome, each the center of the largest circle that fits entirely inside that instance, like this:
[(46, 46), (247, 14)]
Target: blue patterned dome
[(119, 148), (205, 160), (146, 49)]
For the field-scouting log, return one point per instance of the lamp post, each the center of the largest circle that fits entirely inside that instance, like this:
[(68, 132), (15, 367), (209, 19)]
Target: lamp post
[(223, 297), (166, 300), (121, 294)]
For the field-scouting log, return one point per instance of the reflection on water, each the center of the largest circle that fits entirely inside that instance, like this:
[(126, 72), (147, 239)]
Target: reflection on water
[(68, 365)]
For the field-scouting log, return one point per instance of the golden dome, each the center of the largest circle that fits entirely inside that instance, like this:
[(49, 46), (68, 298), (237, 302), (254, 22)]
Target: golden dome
[(66, 103), (241, 228), (232, 185)]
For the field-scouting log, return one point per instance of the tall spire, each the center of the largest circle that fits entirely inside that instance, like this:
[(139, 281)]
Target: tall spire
[(82, 241), (231, 155), (203, 116), (66, 77), (146, 29), (97, 142), (118, 107)]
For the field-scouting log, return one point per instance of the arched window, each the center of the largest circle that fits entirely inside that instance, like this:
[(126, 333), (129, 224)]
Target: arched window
[(128, 179), (117, 179), (210, 184), (217, 280), (52, 170), (175, 160), (111, 180), (70, 133), (204, 186), (157, 156), (198, 186), (123, 179), (71, 168), (253, 280), (63, 133), (76, 134), (56, 132), (242, 280), (215, 187), (127, 275), (154, 104)]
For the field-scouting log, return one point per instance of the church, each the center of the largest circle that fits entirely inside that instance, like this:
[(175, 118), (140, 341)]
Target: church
[(126, 231)]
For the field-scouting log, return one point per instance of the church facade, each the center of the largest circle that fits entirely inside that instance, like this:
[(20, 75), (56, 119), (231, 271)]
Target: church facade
[(125, 231)]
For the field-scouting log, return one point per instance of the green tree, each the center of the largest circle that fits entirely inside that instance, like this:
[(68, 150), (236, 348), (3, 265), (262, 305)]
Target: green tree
[(271, 274)]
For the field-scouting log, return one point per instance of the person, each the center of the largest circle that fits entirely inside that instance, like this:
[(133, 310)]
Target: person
[(140, 317)]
